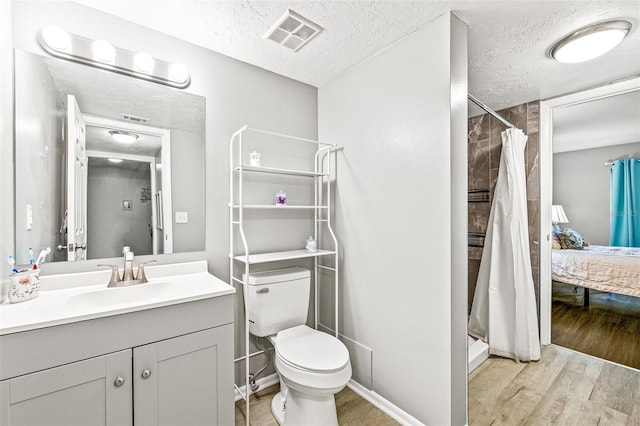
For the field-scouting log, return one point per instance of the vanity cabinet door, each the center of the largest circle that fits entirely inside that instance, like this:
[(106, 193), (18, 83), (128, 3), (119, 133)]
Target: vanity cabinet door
[(187, 380), (95, 391)]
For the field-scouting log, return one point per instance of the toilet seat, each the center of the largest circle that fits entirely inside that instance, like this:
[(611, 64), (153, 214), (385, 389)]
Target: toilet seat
[(309, 350)]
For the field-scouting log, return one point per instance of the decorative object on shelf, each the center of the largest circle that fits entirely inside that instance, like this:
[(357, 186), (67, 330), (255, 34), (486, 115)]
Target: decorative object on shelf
[(145, 194), (311, 244), (254, 158), (281, 198)]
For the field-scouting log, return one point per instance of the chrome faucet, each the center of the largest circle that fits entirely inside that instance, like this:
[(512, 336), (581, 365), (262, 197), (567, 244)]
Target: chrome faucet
[(127, 277)]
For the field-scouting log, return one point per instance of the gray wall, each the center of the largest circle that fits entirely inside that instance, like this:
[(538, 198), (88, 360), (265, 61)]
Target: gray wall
[(581, 184), (39, 131), (109, 227), (401, 216), (236, 94), (187, 164)]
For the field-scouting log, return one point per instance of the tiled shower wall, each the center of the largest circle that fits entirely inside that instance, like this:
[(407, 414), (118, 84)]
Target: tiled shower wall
[(485, 147)]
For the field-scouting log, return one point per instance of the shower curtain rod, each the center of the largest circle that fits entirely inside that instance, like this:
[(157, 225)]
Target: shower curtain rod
[(490, 111)]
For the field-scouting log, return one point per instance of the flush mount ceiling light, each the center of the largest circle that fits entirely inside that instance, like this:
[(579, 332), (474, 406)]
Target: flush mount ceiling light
[(123, 137), (590, 42), (115, 160), (101, 54), (293, 30)]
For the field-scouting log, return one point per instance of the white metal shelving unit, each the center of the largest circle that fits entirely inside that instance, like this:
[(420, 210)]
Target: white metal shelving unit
[(244, 258)]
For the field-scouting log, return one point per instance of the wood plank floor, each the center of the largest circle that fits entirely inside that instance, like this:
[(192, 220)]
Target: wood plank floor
[(609, 329), (563, 388), (353, 410)]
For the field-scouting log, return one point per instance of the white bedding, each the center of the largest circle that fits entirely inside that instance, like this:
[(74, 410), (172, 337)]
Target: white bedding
[(609, 269)]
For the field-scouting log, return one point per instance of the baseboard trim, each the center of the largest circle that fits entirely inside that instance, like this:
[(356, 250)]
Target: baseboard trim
[(378, 401), (263, 382)]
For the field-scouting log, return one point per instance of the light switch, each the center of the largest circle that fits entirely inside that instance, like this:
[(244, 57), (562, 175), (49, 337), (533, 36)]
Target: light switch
[(182, 217)]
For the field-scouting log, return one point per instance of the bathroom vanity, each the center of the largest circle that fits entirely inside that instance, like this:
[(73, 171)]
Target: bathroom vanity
[(159, 353)]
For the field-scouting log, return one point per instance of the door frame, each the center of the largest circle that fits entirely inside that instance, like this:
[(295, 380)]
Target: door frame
[(165, 155), (546, 183)]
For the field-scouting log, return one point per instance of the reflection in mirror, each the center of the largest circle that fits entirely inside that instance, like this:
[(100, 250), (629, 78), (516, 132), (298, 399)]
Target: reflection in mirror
[(108, 193)]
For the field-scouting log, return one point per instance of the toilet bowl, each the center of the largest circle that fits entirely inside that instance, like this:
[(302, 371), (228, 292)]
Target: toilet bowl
[(313, 366)]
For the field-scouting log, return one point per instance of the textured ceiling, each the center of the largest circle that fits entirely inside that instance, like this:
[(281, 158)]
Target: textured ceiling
[(508, 40)]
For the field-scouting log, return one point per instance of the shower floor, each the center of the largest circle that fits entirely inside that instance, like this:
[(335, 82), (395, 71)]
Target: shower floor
[(478, 352)]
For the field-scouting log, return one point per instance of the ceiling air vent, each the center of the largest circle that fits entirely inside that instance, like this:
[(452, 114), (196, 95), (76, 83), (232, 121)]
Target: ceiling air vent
[(133, 118), (293, 31)]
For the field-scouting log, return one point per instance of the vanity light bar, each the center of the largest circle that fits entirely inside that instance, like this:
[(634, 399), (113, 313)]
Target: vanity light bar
[(101, 54)]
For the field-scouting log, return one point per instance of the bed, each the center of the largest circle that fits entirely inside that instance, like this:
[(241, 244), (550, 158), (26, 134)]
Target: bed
[(603, 268)]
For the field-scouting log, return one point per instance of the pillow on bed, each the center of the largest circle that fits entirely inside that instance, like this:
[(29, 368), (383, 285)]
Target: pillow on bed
[(570, 239), (555, 241)]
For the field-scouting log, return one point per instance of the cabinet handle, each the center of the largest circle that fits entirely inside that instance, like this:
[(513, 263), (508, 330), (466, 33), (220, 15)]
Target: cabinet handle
[(146, 374), (119, 381)]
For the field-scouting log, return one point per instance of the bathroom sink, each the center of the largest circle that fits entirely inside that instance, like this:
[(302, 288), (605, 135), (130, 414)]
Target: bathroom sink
[(68, 298), (127, 294)]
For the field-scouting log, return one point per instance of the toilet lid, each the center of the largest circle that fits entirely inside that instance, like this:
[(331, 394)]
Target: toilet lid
[(309, 349)]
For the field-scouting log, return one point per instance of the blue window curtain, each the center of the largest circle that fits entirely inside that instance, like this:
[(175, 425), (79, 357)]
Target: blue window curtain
[(625, 203)]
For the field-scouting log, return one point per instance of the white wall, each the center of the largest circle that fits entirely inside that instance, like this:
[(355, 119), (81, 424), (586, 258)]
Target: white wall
[(581, 184), (236, 94), (401, 215)]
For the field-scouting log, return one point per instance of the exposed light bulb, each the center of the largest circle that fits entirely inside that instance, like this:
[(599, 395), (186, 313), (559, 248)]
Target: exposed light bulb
[(144, 62), (103, 51), (56, 38), (178, 73)]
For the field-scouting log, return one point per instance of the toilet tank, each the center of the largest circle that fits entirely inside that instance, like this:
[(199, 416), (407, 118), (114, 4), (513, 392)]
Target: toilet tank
[(277, 299)]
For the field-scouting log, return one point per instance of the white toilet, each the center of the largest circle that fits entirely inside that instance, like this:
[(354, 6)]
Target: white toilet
[(312, 365)]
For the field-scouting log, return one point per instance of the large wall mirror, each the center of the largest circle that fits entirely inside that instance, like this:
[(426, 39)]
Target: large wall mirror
[(105, 161)]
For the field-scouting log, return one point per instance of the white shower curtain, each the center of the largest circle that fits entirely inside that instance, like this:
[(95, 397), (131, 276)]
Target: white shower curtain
[(503, 312)]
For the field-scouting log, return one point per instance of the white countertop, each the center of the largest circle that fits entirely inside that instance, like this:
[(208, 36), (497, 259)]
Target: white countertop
[(68, 298)]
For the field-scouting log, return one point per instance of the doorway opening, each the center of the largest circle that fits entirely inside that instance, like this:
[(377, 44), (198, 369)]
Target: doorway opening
[(128, 189), (603, 327)]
